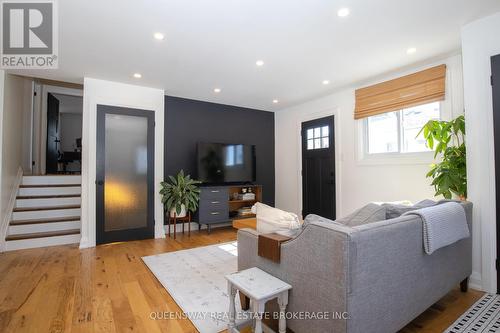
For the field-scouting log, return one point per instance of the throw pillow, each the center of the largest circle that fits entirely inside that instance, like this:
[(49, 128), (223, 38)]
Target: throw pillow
[(274, 220), (366, 214)]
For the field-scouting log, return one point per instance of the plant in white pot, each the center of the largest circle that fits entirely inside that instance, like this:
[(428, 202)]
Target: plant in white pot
[(180, 194)]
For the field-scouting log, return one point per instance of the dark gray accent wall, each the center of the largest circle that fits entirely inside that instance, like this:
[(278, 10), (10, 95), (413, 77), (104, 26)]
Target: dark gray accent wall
[(188, 122)]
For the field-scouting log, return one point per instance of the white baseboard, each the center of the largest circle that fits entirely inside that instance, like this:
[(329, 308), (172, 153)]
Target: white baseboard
[(5, 220), (475, 281)]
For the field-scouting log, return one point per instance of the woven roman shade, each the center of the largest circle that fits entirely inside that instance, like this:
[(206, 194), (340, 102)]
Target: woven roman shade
[(415, 89)]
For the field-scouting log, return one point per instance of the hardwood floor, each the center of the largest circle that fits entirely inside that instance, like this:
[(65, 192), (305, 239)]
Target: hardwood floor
[(109, 289)]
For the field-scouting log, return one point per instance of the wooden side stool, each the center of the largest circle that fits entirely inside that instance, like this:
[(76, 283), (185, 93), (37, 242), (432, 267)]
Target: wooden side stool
[(260, 287), (176, 219)]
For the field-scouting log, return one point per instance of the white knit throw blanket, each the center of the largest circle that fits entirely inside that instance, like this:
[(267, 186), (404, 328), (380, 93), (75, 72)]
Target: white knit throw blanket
[(443, 224)]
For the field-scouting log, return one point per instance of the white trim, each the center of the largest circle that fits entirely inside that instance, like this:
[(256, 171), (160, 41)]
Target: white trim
[(475, 281), (10, 207), (337, 145), (46, 89)]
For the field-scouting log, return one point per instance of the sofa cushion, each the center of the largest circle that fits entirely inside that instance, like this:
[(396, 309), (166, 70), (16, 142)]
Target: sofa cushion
[(395, 210), (366, 214)]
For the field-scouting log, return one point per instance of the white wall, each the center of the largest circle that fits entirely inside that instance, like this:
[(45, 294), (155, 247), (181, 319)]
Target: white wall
[(480, 41), (117, 94), (11, 143), (358, 181), (71, 129)]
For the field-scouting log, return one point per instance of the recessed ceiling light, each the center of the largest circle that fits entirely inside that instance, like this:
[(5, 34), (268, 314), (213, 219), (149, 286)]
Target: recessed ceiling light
[(325, 82), (217, 90), (275, 101), (343, 12), (137, 75), (259, 63), (411, 50), (159, 36)]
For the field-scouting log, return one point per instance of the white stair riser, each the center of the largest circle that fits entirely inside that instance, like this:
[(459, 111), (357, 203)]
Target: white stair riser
[(43, 214), (41, 242), (43, 227), (51, 180), (28, 191), (52, 202)]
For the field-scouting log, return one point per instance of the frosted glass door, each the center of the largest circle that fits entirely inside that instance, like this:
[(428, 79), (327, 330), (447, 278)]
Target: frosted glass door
[(124, 174), (125, 182)]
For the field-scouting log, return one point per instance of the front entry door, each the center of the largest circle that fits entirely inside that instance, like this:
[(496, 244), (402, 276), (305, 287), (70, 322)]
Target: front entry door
[(318, 168), (125, 170), (53, 141), (495, 81)]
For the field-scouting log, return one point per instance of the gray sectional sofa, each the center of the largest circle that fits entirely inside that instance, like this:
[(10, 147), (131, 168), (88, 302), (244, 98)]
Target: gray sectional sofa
[(368, 278)]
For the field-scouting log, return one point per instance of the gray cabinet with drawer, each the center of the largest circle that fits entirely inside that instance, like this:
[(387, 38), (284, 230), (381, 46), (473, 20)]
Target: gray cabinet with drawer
[(214, 207)]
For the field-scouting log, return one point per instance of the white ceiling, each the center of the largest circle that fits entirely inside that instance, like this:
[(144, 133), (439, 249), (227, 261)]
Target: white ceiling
[(215, 43)]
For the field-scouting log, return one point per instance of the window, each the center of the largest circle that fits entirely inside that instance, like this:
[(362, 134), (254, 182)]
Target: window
[(318, 138), (396, 132)]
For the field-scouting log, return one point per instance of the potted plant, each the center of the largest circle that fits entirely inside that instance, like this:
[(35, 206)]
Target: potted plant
[(180, 194), (448, 139)]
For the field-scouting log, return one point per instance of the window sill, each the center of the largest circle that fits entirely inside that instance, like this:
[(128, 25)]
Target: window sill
[(425, 158)]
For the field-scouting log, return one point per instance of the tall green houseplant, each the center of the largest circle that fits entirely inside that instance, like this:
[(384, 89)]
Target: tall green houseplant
[(180, 194), (448, 139)]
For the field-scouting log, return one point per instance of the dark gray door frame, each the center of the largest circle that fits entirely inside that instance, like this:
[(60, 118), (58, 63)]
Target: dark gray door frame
[(131, 234), (495, 83)]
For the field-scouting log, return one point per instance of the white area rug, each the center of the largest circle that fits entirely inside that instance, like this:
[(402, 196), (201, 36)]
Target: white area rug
[(482, 317), (195, 280)]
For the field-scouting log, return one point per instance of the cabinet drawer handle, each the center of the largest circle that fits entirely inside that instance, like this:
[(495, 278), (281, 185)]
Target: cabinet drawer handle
[(215, 202), (214, 191), (215, 213)]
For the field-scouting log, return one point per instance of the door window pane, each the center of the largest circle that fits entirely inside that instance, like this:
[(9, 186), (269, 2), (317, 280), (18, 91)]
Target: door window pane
[(317, 143), (383, 133), (310, 144), (325, 142), (310, 133)]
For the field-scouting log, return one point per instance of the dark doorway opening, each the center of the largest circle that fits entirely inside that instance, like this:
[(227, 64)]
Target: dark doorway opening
[(64, 134), (124, 174), (495, 82), (318, 168)]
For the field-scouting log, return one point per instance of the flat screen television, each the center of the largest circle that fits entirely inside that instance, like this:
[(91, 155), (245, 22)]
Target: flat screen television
[(220, 163)]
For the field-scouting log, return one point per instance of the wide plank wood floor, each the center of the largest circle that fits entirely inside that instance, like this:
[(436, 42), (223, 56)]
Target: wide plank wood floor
[(109, 289)]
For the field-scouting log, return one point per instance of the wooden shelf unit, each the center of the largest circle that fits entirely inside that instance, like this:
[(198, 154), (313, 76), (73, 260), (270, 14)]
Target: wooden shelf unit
[(234, 205)]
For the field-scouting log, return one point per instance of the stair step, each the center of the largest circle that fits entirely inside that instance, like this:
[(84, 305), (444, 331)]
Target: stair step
[(48, 185), (55, 212), (50, 196), (52, 179), (42, 242), (42, 234), (49, 220), (56, 190), (31, 209)]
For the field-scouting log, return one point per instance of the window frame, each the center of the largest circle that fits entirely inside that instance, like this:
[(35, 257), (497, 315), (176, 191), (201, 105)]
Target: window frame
[(423, 157)]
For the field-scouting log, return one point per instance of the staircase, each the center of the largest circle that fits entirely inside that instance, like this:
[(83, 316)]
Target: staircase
[(46, 213)]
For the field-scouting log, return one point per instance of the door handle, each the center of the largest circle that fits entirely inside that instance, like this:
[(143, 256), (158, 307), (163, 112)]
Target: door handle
[(100, 182)]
